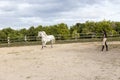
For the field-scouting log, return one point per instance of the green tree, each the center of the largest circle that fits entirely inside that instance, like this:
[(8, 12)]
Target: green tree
[(63, 31), (117, 27), (106, 25), (90, 27), (8, 31), (2, 35), (37, 29), (31, 31), (23, 31), (75, 34)]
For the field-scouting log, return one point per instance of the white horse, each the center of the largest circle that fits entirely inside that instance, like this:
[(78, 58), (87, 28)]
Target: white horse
[(46, 38)]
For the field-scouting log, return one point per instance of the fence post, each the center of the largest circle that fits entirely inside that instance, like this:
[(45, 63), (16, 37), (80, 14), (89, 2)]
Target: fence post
[(76, 36), (25, 38), (8, 40)]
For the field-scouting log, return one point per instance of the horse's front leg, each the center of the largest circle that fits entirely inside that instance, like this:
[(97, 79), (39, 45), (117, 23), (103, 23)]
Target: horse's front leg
[(51, 44), (43, 44)]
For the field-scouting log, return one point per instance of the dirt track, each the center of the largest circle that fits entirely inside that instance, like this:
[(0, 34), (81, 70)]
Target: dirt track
[(75, 61)]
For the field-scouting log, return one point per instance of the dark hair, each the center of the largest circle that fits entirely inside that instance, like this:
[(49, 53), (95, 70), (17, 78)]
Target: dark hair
[(104, 32)]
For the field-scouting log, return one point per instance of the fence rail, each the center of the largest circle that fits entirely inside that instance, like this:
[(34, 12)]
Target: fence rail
[(29, 40)]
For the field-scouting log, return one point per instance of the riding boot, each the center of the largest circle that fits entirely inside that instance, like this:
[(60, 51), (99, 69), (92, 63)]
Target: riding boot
[(102, 48), (106, 46)]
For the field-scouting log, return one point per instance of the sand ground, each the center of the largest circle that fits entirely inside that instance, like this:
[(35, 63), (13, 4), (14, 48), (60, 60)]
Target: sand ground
[(74, 61)]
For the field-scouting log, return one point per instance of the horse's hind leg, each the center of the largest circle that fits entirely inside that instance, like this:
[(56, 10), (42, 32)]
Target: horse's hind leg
[(42, 47), (44, 44)]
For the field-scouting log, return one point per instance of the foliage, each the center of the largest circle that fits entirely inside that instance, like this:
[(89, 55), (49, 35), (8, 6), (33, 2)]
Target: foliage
[(75, 34), (62, 31)]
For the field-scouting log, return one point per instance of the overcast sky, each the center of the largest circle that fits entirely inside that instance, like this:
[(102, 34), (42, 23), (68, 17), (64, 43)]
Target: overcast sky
[(25, 13)]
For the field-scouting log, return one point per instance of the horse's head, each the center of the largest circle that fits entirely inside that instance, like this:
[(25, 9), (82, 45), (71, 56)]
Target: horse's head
[(40, 34)]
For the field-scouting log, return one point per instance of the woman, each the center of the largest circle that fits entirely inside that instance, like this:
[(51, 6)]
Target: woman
[(104, 41)]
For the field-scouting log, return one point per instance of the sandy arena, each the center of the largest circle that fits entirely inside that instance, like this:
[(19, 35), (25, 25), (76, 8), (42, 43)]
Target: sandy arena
[(74, 61)]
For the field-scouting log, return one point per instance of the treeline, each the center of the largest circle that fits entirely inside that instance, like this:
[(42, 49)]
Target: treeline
[(63, 30)]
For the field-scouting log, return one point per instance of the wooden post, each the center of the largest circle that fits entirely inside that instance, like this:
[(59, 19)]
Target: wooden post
[(76, 36), (25, 38), (8, 40)]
